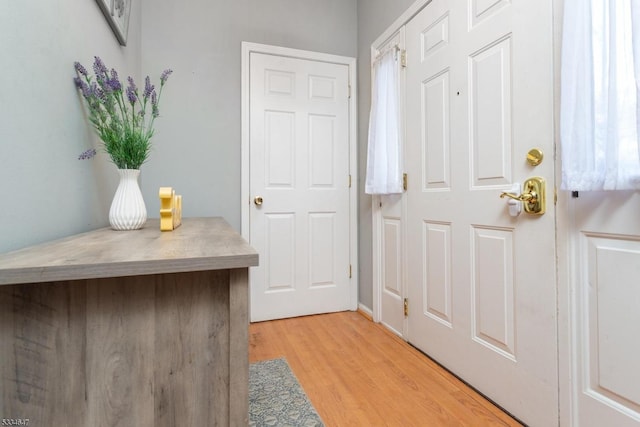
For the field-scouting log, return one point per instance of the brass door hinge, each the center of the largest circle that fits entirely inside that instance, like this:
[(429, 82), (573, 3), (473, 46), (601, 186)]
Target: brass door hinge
[(406, 307), (349, 180), (349, 91), (350, 275), (403, 58), (404, 181)]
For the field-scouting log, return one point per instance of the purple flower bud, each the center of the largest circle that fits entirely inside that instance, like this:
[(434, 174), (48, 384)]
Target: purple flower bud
[(79, 68), (132, 84), (154, 104), (165, 75), (87, 154), (112, 86), (80, 84), (98, 67), (131, 95), (97, 91), (148, 88), (113, 82)]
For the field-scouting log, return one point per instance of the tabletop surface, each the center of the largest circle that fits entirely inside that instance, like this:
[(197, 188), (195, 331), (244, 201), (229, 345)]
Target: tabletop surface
[(198, 244)]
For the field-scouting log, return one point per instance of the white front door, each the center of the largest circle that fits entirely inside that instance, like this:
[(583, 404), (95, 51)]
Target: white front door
[(606, 309), (482, 283), (299, 159)]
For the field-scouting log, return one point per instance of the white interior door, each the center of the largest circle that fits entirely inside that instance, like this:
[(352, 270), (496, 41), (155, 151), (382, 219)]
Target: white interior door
[(482, 284), (606, 309), (299, 151)]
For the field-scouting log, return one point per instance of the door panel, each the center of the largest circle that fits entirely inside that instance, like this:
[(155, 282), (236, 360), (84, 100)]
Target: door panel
[(299, 160), (493, 290), (436, 143), (437, 290), (605, 309), (279, 140), (391, 266), (490, 115), (481, 283), (481, 9), (280, 247)]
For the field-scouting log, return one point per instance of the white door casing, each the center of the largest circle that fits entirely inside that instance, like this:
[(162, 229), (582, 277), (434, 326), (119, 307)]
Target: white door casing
[(482, 284), (388, 228), (297, 157)]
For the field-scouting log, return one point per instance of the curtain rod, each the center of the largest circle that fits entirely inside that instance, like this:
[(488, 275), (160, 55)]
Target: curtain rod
[(393, 47)]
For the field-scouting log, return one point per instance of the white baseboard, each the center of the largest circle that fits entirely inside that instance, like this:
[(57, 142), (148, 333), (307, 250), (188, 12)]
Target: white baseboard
[(366, 310)]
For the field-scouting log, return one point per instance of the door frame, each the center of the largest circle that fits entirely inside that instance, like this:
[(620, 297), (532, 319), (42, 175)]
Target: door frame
[(245, 167), (567, 262)]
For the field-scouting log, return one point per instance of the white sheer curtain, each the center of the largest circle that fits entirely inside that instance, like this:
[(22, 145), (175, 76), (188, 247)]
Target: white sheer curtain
[(384, 172), (600, 112)]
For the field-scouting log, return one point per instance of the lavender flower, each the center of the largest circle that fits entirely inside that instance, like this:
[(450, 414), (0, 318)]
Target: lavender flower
[(98, 92), (165, 75), (148, 88), (99, 68), (114, 83), (132, 84), (154, 105), (80, 69), (131, 95), (84, 88), (87, 154), (120, 124)]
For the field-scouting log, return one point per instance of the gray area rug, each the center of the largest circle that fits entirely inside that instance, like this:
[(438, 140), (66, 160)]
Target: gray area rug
[(277, 399)]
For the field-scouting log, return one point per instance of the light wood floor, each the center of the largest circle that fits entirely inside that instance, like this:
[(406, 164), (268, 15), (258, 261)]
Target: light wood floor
[(356, 373)]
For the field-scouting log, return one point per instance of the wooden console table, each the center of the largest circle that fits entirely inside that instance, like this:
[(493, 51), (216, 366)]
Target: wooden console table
[(128, 328)]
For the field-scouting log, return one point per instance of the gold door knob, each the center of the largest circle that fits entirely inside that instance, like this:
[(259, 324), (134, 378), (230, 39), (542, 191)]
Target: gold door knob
[(533, 196), (257, 200), (526, 197)]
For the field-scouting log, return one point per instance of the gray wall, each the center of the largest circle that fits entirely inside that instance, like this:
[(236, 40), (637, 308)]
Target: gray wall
[(374, 17), (47, 193), (197, 143)]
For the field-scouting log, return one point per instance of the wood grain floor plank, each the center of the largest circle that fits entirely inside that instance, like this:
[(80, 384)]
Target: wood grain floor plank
[(357, 373)]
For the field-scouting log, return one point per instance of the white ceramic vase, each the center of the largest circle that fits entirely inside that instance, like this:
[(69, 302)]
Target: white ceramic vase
[(127, 209)]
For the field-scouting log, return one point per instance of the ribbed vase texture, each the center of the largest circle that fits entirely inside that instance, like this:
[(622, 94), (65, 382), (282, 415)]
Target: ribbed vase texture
[(127, 209)]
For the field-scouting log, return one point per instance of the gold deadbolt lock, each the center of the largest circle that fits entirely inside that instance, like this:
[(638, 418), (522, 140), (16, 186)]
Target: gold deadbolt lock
[(535, 156), (533, 196)]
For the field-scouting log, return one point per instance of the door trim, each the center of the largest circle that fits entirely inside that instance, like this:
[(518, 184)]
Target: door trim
[(245, 167)]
